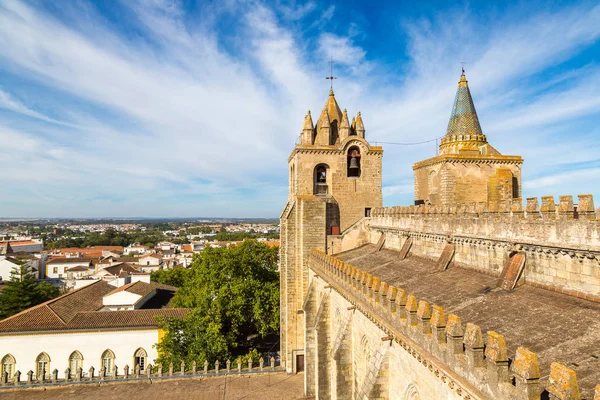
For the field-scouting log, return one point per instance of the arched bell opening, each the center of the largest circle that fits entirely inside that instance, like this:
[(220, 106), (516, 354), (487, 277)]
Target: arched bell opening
[(353, 162), (321, 187)]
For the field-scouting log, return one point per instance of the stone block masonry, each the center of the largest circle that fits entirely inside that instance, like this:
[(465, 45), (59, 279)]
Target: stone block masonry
[(429, 355), (562, 248)]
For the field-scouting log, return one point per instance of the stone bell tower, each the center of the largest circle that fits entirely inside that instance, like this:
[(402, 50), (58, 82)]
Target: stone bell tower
[(468, 169), (334, 181)]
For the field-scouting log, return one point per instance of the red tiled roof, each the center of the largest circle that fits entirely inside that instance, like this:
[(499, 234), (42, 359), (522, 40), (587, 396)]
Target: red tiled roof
[(79, 310), (72, 260), (77, 268), (19, 243), (124, 319), (117, 269), (95, 251)]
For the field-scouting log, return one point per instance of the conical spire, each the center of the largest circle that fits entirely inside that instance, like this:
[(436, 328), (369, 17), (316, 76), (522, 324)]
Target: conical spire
[(333, 110), (323, 129), (308, 123), (360, 128), (307, 129), (344, 126), (464, 135), (324, 120), (334, 116), (463, 119)]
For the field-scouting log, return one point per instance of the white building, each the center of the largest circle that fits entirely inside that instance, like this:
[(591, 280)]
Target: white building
[(10, 260), (150, 262), (58, 268), (78, 330), (136, 249), (129, 297)]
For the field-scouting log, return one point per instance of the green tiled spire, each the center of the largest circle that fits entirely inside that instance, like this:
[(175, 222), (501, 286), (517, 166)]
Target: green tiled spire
[(463, 119)]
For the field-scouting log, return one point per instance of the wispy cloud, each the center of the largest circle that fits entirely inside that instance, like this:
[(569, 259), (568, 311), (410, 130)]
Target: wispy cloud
[(195, 113)]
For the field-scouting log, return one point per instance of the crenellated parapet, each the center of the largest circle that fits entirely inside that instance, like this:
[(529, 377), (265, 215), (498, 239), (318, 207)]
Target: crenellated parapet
[(565, 224), (471, 363), (547, 210)]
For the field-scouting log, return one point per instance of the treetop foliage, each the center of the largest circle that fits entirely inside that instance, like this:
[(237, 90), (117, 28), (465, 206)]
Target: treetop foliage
[(232, 294), (22, 291)]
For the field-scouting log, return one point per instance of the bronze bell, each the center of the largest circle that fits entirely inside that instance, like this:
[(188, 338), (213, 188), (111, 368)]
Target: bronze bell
[(353, 163)]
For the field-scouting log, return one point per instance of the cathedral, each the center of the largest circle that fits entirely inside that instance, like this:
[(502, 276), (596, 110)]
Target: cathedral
[(465, 294)]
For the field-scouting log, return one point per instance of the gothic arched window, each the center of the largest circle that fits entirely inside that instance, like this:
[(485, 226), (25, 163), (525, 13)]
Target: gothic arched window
[(139, 358), (353, 162), (42, 365), (8, 365), (75, 362), (108, 360)]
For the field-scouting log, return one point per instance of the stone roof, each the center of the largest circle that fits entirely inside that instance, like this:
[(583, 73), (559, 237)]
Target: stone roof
[(538, 319), (80, 310)]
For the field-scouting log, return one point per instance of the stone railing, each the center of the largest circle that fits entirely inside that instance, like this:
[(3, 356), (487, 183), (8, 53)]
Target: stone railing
[(457, 354), (262, 365)]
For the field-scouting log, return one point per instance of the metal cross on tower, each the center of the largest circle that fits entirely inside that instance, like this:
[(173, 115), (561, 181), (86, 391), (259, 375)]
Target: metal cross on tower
[(462, 63), (331, 77)]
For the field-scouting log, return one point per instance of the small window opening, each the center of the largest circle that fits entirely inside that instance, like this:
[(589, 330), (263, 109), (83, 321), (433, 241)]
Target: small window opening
[(367, 212)]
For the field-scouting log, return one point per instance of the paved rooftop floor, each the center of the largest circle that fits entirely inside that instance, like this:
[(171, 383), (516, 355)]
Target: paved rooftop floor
[(267, 386), (556, 326)]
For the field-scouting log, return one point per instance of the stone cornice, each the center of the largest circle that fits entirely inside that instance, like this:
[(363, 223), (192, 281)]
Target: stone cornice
[(328, 150), (579, 252), (463, 158)]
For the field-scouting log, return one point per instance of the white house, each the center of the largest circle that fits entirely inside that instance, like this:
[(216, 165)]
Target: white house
[(115, 271), (6, 266), (135, 248), (58, 268), (129, 297), (150, 262), (77, 330)]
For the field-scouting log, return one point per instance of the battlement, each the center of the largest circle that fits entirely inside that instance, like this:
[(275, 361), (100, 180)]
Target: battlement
[(548, 211), (466, 361)]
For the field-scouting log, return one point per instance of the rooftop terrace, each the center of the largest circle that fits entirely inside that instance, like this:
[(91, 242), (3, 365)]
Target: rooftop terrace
[(556, 326)]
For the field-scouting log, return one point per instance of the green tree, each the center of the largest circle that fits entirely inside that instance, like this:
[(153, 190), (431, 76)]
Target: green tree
[(22, 292), (174, 277), (233, 294)]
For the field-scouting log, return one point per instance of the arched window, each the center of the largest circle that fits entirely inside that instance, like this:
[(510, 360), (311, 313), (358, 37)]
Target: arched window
[(42, 365), (411, 393), (433, 182), (108, 360), (75, 362), (353, 162), (139, 358), (8, 365), (321, 187)]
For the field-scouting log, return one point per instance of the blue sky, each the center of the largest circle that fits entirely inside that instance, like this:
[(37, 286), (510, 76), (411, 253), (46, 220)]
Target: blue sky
[(167, 108)]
